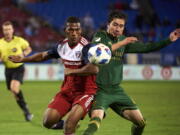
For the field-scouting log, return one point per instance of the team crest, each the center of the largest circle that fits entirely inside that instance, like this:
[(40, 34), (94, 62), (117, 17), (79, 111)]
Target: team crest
[(78, 54), (109, 43), (14, 50), (97, 39)]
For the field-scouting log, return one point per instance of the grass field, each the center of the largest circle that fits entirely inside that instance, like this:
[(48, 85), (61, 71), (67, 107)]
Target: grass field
[(159, 102)]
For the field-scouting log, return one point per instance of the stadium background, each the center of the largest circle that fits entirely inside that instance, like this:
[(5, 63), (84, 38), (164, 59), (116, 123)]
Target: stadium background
[(41, 23)]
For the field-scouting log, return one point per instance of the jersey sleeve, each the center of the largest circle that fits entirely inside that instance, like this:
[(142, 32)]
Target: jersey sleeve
[(139, 47), (85, 52), (24, 43), (53, 52)]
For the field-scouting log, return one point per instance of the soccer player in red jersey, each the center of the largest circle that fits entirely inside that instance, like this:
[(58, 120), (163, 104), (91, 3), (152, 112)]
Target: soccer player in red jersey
[(77, 91)]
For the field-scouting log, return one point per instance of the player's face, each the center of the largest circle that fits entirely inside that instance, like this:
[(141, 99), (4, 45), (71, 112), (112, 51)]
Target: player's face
[(8, 30), (73, 32), (116, 27)]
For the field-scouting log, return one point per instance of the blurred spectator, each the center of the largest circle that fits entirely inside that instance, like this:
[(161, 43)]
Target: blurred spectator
[(34, 22), (20, 3), (134, 5), (88, 26), (118, 5), (88, 22), (29, 30)]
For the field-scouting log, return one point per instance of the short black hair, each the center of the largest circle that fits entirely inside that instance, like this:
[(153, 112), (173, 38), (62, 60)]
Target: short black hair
[(116, 14), (73, 19)]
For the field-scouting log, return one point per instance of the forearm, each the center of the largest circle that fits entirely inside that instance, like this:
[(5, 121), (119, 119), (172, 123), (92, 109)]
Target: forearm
[(35, 58), (123, 42), (85, 70), (117, 45)]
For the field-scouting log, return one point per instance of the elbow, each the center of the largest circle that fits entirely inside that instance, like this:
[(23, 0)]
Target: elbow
[(96, 70), (90, 69)]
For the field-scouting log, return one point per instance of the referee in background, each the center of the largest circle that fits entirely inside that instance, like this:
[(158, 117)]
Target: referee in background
[(14, 72)]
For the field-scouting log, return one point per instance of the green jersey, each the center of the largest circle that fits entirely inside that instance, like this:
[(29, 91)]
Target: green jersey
[(112, 73)]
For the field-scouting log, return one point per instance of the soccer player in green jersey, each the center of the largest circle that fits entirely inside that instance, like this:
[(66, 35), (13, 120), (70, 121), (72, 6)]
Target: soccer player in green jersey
[(110, 93), (14, 72)]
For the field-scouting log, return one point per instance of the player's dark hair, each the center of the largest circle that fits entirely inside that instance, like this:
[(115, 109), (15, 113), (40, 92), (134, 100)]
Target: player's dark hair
[(73, 19), (7, 23), (116, 14)]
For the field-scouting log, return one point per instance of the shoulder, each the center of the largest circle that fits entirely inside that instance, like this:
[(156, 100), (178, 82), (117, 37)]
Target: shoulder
[(1, 40), (63, 41), (100, 33), (83, 41), (20, 39), (60, 44), (99, 36)]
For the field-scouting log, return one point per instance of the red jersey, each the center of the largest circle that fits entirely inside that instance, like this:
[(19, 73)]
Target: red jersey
[(72, 58)]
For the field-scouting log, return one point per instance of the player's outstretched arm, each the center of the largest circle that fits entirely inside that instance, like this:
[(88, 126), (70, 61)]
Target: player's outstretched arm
[(27, 51), (139, 47), (85, 70), (124, 42), (34, 58)]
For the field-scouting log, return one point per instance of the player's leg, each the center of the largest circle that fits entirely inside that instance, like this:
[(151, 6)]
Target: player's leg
[(136, 117), (80, 108), (101, 103), (52, 119), (14, 78), (73, 118), (95, 121), (15, 88), (57, 108), (126, 107)]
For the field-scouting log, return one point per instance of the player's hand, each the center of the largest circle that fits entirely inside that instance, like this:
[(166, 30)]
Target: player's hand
[(129, 40), (67, 71), (16, 59), (174, 35)]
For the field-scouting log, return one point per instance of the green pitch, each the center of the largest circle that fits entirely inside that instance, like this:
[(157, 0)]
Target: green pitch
[(159, 102)]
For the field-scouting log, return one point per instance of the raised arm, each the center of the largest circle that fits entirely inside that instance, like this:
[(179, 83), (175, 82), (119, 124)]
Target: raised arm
[(138, 47)]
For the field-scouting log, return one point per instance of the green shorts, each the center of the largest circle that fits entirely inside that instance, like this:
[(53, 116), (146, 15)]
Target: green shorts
[(115, 98)]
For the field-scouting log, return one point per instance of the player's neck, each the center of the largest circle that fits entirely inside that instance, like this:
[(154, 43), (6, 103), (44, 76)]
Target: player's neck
[(72, 43), (8, 38), (111, 36)]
